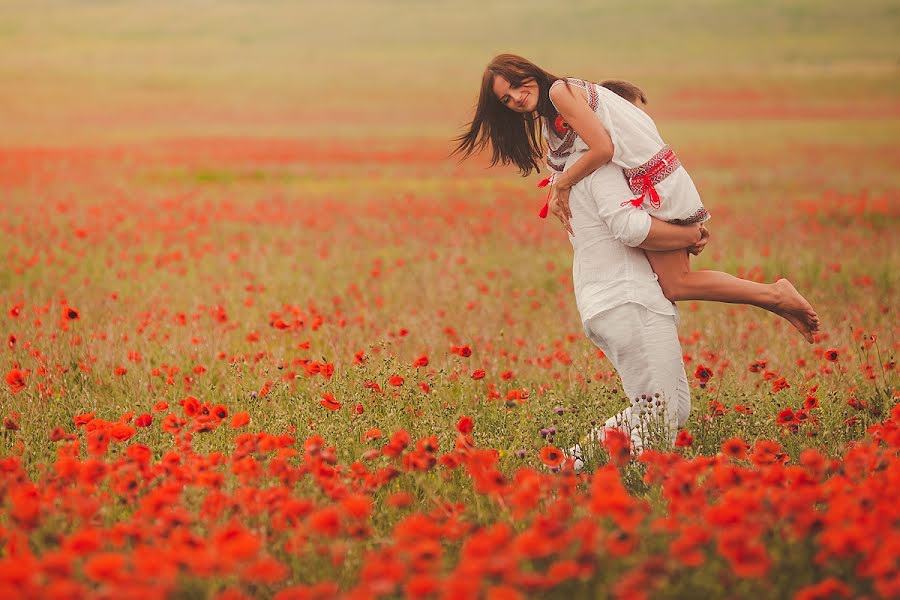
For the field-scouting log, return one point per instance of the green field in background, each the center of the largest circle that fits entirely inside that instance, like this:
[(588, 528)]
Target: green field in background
[(90, 72)]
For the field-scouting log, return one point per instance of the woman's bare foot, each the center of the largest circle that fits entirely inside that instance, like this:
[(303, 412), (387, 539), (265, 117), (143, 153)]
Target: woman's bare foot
[(794, 307)]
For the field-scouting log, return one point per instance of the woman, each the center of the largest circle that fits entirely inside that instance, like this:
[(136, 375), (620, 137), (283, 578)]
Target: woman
[(622, 307), (518, 99)]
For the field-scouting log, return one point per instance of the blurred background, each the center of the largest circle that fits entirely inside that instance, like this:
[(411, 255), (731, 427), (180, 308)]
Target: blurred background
[(94, 72)]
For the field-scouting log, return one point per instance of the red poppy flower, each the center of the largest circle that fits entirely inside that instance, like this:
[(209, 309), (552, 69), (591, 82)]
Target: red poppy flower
[(618, 445), (758, 366), (15, 379), (326, 521), (357, 506), (780, 384), (463, 351), (191, 406), (235, 541), (478, 374), (735, 448), (329, 402), (400, 499), (239, 420), (105, 567), (71, 313), (84, 419), (854, 402), (396, 380), (464, 425), (145, 420), (703, 374), (767, 452), (121, 431), (829, 588), (716, 408), (98, 442), (785, 417), (551, 456), (621, 543), (831, 355), (171, 423), (266, 570), (422, 361), (519, 395), (684, 439)]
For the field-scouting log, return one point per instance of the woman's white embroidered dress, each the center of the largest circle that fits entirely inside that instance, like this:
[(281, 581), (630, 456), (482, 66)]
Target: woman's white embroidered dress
[(638, 149)]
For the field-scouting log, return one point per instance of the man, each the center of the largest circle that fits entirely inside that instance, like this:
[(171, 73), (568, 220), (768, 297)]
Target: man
[(622, 307)]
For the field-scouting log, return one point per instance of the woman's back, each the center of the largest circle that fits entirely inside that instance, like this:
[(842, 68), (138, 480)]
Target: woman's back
[(634, 134)]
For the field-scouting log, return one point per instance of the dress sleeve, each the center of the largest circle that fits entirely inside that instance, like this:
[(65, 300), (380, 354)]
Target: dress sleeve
[(628, 224)]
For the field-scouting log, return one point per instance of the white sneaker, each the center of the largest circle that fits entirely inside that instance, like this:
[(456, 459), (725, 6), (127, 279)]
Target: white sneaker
[(577, 454)]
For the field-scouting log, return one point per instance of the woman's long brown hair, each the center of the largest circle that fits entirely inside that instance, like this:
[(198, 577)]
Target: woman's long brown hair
[(515, 137)]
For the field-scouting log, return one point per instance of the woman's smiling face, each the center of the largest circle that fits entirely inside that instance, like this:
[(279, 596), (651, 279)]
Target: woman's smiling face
[(520, 97)]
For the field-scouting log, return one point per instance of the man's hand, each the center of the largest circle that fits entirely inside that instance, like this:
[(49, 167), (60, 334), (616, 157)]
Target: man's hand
[(701, 244), (559, 206)]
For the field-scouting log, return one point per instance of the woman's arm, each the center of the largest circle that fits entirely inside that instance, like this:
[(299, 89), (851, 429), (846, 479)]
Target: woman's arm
[(577, 113)]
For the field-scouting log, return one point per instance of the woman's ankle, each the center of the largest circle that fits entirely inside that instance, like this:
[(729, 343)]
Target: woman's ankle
[(777, 296)]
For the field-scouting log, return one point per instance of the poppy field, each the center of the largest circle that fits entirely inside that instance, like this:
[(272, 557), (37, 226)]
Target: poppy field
[(264, 338)]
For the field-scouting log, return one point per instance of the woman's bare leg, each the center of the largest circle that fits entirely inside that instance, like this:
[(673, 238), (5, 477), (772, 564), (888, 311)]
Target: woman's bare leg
[(678, 282)]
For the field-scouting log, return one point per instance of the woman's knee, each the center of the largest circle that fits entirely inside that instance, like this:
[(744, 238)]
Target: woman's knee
[(674, 286)]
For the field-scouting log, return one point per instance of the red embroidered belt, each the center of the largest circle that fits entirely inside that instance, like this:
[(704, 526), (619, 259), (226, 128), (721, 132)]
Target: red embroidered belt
[(643, 179)]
